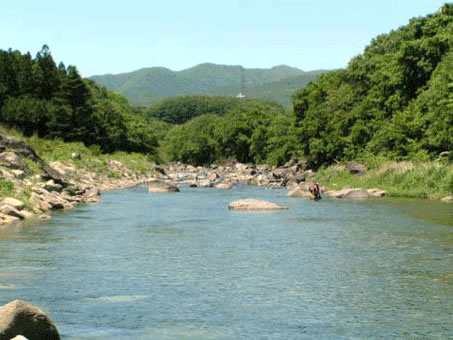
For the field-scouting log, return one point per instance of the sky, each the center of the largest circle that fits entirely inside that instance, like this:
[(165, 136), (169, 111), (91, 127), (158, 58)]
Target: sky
[(100, 36)]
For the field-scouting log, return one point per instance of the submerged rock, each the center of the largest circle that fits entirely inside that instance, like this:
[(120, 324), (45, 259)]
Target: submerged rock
[(251, 204), (21, 318)]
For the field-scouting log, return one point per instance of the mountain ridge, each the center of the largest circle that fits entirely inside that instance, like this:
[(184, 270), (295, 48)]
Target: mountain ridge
[(148, 85)]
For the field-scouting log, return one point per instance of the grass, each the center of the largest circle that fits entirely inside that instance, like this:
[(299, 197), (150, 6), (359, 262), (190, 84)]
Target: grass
[(8, 189), (406, 179)]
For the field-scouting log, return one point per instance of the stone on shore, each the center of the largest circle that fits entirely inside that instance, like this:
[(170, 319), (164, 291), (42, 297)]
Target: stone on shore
[(11, 211), (447, 199), (21, 318), (251, 204), (19, 205), (159, 186), (205, 184)]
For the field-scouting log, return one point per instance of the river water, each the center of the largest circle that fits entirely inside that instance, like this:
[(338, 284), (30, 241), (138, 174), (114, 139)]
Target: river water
[(182, 266)]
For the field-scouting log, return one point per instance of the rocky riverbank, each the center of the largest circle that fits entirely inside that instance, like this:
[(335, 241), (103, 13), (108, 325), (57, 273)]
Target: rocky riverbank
[(294, 176), (39, 187)]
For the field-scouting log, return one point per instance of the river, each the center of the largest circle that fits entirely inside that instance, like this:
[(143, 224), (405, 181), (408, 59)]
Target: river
[(182, 266)]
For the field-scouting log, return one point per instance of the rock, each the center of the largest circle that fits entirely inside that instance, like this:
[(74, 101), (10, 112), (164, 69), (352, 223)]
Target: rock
[(205, 184), (18, 173), (19, 337), (159, 186), (376, 192), (7, 219), (358, 169), (13, 161), (224, 186), (251, 204), (159, 169), (76, 155), (299, 192), (349, 193), (50, 185), (19, 205), (447, 198), (11, 211), (61, 168), (22, 318), (27, 214)]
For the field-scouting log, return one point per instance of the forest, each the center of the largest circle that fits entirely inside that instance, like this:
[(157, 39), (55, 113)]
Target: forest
[(395, 100)]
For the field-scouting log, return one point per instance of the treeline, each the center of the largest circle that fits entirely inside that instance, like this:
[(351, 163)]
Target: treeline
[(178, 110), (395, 100), (40, 98), (253, 131)]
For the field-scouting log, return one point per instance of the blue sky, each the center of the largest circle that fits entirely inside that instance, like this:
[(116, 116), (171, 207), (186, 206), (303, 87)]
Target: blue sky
[(100, 36)]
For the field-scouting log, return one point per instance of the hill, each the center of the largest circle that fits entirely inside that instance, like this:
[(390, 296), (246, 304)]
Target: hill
[(150, 85)]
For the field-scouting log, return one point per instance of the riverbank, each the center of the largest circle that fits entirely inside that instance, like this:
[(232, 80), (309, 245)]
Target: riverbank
[(432, 180), (39, 176)]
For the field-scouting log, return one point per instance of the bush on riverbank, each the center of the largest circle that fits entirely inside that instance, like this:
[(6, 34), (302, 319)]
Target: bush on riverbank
[(403, 179)]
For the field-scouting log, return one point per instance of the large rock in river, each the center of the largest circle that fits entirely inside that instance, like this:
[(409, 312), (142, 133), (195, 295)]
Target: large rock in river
[(251, 204), (22, 318), (159, 186), (299, 192), (356, 193)]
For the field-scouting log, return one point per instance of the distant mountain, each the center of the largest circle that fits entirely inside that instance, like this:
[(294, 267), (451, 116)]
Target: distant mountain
[(150, 85)]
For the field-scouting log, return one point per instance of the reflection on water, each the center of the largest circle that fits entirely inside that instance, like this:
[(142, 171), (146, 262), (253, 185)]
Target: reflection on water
[(182, 266)]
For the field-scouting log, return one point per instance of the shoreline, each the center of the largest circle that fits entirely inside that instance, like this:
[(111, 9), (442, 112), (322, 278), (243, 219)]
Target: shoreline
[(35, 187)]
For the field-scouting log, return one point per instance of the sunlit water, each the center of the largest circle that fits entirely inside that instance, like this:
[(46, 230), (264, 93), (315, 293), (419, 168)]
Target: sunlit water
[(182, 266)]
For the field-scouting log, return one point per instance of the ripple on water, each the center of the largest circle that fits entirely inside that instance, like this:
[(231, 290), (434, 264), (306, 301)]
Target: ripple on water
[(118, 298)]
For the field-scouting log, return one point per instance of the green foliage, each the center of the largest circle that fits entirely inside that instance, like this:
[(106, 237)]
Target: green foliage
[(395, 99), (253, 132), (39, 98), (423, 180), (6, 188), (179, 110)]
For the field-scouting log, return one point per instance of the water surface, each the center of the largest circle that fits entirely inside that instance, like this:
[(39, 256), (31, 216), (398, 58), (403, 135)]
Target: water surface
[(182, 266)]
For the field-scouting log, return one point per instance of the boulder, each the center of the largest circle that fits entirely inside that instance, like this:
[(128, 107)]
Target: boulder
[(251, 204), (19, 205), (205, 184), (376, 192), (11, 211), (8, 219), (50, 185), (13, 161), (22, 318), (61, 168), (299, 192), (76, 155), (159, 186), (447, 199), (358, 169), (19, 337), (18, 173), (224, 186), (349, 193)]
